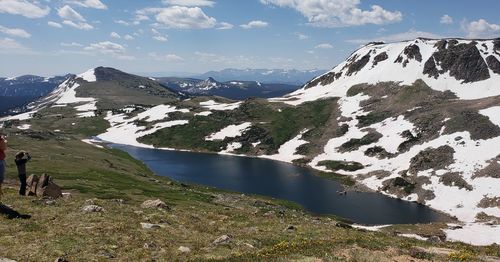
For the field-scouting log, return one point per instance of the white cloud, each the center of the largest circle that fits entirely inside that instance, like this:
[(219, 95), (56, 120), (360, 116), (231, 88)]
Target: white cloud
[(54, 24), (122, 22), (115, 35), (73, 18), (255, 24), (324, 46), (96, 4), (481, 28), (128, 37), (225, 26), (68, 13), (72, 44), (158, 36), (10, 46), (446, 20), (301, 36), (167, 57), (180, 17), (106, 47), (409, 35), (78, 25), (29, 9), (17, 32), (189, 2), (338, 13)]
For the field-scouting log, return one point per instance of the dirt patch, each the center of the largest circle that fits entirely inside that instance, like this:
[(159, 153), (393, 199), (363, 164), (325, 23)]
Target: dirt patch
[(454, 179), (488, 202), (479, 126), (356, 143), (462, 61), (485, 218), (491, 170), (493, 64), (432, 158), (379, 58), (358, 65), (411, 52)]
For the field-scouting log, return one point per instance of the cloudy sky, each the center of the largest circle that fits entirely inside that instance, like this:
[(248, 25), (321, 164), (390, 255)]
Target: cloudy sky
[(49, 37)]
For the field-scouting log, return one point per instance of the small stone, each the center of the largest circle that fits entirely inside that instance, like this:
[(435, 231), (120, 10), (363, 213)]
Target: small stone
[(6, 260), (92, 209), (150, 226), (61, 259), (183, 249), (50, 202), (155, 204), (90, 202), (150, 245), (291, 228), (249, 245), (222, 240), (434, 239), (66, 195)]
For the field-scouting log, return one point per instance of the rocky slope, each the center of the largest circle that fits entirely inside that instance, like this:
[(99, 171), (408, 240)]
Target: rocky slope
[(418, 120)]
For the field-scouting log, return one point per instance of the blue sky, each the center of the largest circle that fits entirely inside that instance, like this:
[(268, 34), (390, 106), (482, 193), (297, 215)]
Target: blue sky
[(49, 37)]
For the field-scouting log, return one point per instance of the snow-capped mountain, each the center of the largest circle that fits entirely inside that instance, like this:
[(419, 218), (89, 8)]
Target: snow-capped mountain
[(235, 89), (280, 76), (29, 85), (468, 68), (17, 92)]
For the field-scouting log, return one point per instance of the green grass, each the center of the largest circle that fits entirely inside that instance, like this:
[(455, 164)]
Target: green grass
[(341, 165)]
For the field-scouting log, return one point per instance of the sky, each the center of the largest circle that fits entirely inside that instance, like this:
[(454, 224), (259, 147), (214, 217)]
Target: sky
[(176, 37)]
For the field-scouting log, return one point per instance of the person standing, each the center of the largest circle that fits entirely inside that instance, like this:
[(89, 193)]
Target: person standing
[(21, 159), (3, 148)]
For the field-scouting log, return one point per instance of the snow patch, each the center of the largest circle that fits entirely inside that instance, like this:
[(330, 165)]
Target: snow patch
[(212, 105), (88, 76), (229, 131)]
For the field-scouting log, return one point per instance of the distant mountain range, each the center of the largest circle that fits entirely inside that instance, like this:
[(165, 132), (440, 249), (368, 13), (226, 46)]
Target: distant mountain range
[(231, 89), (17, 92), (281, 76)]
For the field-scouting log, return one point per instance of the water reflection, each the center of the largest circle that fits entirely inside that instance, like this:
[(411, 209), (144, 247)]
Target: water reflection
[(283, 181)]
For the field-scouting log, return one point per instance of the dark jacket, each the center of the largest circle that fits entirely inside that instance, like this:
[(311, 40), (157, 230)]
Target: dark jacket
[(21, 164)]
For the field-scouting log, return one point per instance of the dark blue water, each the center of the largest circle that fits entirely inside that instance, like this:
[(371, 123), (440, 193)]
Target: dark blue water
[(284, 181)]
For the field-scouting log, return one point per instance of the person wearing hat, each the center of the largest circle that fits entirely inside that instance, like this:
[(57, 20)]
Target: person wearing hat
[(21, 159)]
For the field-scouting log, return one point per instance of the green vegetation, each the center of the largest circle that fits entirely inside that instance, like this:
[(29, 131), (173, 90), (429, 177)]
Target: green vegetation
[(355, 143), (271, 127), (372, 118), (341, 165)]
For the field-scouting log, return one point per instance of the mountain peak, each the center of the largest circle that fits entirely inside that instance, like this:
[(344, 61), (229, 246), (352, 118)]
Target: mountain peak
[(469, 68)]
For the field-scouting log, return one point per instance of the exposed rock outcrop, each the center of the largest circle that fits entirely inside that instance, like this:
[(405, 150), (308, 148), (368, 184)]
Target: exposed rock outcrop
[(42, 187)]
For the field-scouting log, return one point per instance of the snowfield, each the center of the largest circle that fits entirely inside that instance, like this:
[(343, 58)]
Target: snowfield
[(229, 131), (212, 105)]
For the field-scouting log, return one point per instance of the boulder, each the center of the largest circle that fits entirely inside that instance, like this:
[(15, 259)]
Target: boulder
[(222, 240), (47, 188), (183, 249), (155, 204), (43, 186), (92, 209), (150, 226)]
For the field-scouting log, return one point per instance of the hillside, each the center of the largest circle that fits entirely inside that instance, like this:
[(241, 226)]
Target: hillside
[(384, 118), (199, 223)]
